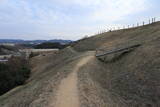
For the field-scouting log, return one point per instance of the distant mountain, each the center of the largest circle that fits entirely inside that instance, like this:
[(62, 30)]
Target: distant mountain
[(19, 41)]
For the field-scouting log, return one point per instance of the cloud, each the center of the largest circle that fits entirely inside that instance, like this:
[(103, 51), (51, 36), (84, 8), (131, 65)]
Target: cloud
[(67, 18), (114, 10)]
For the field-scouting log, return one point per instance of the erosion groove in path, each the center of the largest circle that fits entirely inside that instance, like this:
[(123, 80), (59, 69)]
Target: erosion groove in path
[(68, 94)]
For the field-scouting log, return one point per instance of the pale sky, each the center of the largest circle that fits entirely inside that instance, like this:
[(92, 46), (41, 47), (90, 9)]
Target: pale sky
[(70, 19)]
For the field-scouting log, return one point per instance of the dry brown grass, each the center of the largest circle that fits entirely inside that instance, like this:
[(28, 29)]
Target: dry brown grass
[(116, 38), (47, 72), (130, 80)]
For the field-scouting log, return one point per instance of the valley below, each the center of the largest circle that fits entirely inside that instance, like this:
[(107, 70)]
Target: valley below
[(77, 77)]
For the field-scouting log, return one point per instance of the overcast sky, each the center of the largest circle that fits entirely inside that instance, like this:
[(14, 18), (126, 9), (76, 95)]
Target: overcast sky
[(70, 19)]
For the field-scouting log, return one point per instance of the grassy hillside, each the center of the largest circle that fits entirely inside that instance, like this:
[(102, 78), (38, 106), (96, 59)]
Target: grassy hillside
[(116, 38), (5, 50), (131, 79), (47, 72)]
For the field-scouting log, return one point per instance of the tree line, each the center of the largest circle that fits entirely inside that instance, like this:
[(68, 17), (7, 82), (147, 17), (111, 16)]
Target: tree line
[(13, 73)]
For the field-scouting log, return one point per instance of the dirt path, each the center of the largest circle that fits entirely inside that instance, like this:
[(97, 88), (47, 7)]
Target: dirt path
[(68, 94)]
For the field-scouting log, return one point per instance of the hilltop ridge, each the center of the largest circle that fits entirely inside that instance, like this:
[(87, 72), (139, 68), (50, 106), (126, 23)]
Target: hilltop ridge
[(128, 79)]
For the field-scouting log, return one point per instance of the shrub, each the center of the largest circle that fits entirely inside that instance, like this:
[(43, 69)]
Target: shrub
[(14, 73), (48, 45), (33, 55)]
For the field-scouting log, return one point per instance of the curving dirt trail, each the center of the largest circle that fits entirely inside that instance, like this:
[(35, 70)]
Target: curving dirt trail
[(68, 94)]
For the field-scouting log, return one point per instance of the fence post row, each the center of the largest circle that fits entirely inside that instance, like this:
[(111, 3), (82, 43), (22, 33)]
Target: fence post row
[(150, 21)]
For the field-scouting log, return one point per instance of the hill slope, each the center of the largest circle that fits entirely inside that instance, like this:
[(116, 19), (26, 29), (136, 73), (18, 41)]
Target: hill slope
[(115, 38), (129, 79), (6, 50)]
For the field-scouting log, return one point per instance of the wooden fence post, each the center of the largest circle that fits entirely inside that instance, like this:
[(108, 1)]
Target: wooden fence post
[(154, 19)]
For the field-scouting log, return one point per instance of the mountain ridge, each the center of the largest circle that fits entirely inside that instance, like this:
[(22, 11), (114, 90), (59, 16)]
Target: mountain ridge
[(21, 41)]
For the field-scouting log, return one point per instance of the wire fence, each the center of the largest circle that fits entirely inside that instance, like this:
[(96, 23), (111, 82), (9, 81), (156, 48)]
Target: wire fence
[(102, 52), (130, 26)]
